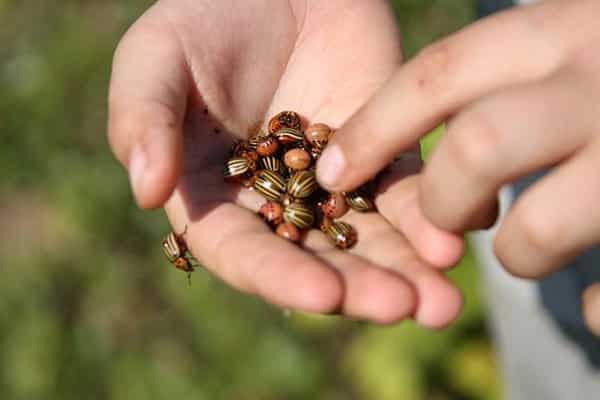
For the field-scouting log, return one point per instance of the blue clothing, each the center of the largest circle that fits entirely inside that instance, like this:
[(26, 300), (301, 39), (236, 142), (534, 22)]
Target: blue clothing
[(561, 292)]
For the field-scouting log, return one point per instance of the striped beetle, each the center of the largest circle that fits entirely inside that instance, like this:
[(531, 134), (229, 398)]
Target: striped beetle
[(302, 184), (176, 250), (342, 234), (299, 214), (270, 184)]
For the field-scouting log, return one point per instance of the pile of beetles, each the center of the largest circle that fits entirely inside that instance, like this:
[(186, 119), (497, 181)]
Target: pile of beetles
[(279, 164)]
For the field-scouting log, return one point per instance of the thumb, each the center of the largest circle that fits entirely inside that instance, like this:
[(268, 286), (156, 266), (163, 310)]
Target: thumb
[(147, 102)]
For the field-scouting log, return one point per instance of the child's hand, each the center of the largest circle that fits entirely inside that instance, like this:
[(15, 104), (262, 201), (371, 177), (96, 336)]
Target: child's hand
[(191, 74), (523, 93)]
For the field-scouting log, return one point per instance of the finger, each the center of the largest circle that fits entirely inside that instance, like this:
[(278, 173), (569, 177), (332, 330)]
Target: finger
[(147, 102), (398, 203), (591, 308), (234, 244), (498, 139), (554, 220), (371, 293), (443, 78), (438, 301)]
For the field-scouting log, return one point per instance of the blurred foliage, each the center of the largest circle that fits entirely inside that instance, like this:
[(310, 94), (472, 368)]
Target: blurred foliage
[(90, 309)]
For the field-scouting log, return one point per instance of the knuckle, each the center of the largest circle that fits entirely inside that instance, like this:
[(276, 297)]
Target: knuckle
[(542, 233), (435, 64), (475, 144)]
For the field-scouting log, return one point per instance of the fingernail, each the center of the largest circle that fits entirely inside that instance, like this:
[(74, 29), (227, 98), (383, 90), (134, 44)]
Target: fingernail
[(331, 166), (137, 169)]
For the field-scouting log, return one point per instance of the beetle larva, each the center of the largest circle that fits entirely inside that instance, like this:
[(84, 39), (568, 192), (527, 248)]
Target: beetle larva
[(335, 206), (341, 234), (270, 184), (302, 184), (299, 214), (318, 135)]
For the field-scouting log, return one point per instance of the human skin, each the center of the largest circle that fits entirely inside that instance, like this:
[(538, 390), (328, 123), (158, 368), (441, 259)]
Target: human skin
[(192, 75), (520, 92)]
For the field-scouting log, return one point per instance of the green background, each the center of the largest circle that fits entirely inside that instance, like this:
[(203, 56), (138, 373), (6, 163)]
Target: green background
[(90, 309)]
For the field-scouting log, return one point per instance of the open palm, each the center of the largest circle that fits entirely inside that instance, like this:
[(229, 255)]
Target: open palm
[(191, 76)]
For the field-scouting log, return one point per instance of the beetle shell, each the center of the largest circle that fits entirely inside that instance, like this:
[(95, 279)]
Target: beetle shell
[(253, 142), (289, 135), (285, 119), (359, 201), (267, 146), (288, 231), (237, 166), (299, 214), (297, 159), (335, 205), (271, 163), (270, 184), (342, 234), (174, 246), (302, 184), (317, 134), (272, 212)]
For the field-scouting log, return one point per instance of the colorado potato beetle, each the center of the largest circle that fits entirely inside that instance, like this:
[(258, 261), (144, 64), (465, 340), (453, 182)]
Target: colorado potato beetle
[(175, 249), (271, 163), (299, 214), (238, 166), (342, 234), (272, 212), (359, 201), (335, 205), (267, 146), (269, 184), (317, 135), (302, 184), (297, 159), (285, 119), (289, 135)]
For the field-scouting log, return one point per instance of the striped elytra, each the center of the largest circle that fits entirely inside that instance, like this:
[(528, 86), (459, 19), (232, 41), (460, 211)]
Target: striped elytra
[(299, 214), (342, 234), (269, 184), (302, 184), (237, 167), (289, 135), (359, 201), (271, 163), (173, 247)]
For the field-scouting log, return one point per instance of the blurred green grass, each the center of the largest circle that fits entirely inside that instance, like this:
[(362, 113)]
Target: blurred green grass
[(90, 309)]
